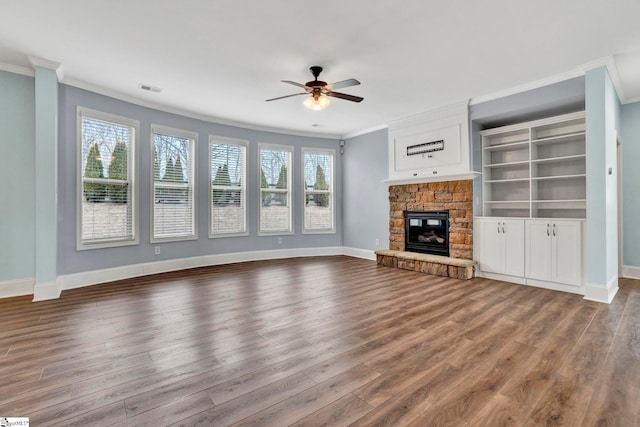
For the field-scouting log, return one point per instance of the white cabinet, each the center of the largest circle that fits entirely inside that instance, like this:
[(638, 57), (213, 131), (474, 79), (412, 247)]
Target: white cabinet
[(554, 251), (534, 173), (501, 242)]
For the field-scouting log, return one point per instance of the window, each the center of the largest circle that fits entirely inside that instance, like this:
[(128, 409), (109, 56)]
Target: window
[(228, 158), (172, 210), (107, 193), (275, 189), (318, 191)]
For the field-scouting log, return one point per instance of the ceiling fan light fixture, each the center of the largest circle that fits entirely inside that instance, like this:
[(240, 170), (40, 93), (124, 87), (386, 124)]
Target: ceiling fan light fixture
[(319, 102)]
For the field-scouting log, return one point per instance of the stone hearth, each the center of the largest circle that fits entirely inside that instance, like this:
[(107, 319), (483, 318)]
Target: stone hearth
[(454, 196)]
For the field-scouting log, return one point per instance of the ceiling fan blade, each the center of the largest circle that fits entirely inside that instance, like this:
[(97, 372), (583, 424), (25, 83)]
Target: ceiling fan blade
[(294, 83), (343, 83), (344, 96), (287, 96)]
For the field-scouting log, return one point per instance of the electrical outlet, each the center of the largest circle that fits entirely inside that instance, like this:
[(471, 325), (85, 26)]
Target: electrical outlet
[(279, 240), (377, 242), (156, 250)]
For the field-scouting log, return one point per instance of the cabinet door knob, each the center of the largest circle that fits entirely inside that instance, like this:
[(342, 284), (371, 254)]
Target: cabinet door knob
[(503, 228), (498, 227), (548, 234), (554, 230)]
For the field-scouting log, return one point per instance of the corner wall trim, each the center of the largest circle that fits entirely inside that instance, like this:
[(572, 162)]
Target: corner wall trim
[(599, 293), (46, 291), (631, 272), (16, 288)]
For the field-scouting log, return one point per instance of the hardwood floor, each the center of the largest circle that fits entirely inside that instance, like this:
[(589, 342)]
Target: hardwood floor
[(320, 341)]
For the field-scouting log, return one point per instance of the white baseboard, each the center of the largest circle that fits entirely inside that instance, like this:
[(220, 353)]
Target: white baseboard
[(16, 288), (572, 289), (631, 272), (94, 277), (46, 291), (359, 253), (502, 277), (599, 293)]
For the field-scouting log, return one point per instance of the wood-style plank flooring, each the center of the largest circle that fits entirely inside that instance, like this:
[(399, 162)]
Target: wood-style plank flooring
[(320, 341)]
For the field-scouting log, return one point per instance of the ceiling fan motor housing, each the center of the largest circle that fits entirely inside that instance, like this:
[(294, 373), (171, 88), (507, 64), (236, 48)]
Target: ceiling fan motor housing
[(316, 70)]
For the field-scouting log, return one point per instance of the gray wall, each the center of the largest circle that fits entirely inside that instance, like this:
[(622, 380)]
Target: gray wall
[(72, 261), (365, 196), (17, 174)]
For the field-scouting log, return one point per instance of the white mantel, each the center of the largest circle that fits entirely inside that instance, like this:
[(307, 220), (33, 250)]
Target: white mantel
[(431, 147)]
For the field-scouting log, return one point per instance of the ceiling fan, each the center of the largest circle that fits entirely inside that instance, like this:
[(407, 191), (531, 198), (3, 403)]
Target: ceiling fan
[(318, 90)]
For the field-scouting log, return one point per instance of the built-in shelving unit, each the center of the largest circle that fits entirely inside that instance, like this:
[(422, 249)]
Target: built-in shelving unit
[(535, 169)]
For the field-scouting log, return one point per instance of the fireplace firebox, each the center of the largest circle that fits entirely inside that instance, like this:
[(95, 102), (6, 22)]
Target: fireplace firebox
[(427, 232)]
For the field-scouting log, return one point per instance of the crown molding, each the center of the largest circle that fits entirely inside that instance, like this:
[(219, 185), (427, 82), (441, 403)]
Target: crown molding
[(461, 107), (17, 69), (206, 118), (527, 86), (632, 100), (363, 132), (610, 64), (579, 71), (46, 63)]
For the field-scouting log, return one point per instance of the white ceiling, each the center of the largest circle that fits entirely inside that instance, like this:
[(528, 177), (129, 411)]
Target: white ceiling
[(221, 59)]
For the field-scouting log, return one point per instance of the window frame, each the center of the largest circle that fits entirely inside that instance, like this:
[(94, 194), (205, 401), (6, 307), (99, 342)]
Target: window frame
[(290, 150), (132, 156), (213, 139), (332, 193), (193, 143)]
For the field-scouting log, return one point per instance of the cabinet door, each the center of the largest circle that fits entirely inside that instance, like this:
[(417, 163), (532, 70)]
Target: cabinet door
[(567, 252), (512, 231), (491, 245), (539, 250)]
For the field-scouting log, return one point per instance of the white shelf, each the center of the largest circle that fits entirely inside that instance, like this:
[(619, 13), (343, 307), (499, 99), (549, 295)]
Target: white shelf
[(500, 181), (545, 172), (559, 138), (544, 178), (501, 202), (508, 146), (507, 164), (560, 159)]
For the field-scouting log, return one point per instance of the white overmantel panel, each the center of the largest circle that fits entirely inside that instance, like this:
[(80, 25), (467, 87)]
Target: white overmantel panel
[(433, 146)]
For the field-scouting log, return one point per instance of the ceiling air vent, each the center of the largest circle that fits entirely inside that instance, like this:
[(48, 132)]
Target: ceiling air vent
[(150, 88)]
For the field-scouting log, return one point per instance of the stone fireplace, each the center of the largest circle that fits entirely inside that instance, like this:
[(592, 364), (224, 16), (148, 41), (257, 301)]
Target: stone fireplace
[(456, 197)]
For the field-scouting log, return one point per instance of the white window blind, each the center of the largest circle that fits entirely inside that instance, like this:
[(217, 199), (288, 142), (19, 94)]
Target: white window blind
[(319, 210), (173, 209), (228, 187), (275, 189), (106, 211)]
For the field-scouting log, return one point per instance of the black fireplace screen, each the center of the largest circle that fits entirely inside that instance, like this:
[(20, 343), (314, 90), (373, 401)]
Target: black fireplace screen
[(427, 232)]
